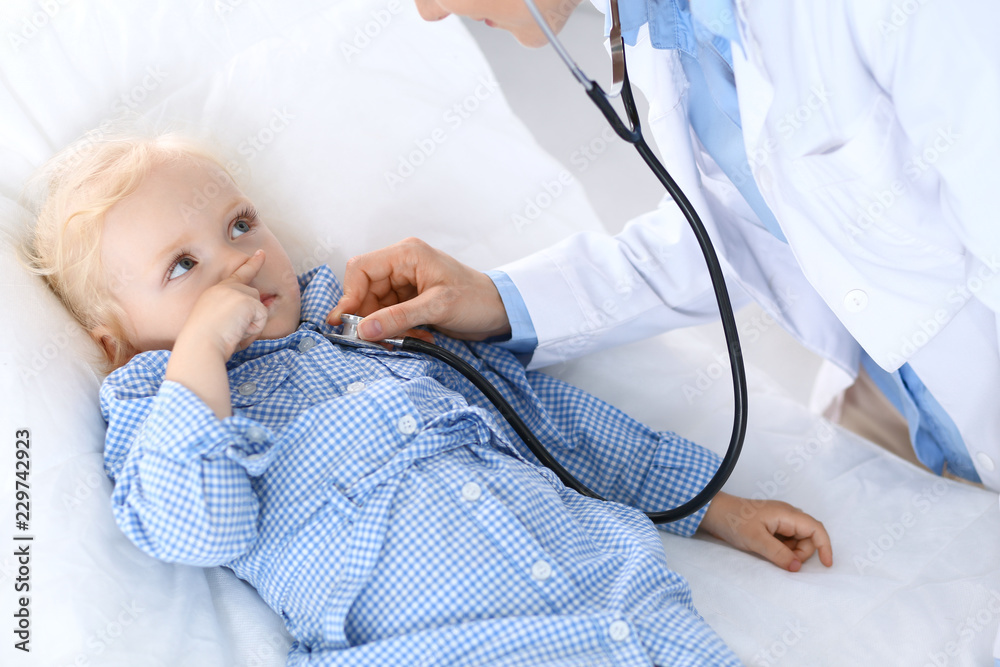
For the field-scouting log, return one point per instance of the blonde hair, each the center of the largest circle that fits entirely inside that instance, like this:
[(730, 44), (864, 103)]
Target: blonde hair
[(68, 198)]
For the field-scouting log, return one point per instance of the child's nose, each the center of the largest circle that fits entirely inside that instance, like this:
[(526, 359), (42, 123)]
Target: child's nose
[(235, 260), (430, 10)]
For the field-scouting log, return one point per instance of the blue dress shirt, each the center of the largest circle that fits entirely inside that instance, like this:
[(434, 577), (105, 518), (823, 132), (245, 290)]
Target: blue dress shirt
[(379, 503), (701, 34)]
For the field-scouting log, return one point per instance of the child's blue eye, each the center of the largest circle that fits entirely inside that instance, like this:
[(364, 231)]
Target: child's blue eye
[(181, 263), (243, 226)]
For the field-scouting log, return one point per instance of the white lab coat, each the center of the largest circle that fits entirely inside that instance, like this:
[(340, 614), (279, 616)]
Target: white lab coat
[(871, 129)]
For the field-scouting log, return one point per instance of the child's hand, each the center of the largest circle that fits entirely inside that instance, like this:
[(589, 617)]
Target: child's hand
[(229, 314), (784, 535)]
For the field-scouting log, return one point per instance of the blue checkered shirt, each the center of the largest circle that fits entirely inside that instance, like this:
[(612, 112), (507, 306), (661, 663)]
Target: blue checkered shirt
[(382, 506)]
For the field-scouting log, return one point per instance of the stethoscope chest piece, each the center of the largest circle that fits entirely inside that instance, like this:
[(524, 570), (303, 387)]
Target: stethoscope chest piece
[(349, 333)]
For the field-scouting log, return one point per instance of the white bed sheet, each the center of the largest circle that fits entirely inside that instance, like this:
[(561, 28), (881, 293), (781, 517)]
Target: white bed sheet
[(336, 96), (916, 575)]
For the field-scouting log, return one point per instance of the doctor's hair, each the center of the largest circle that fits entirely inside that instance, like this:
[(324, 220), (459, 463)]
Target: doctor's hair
[(67, 199)]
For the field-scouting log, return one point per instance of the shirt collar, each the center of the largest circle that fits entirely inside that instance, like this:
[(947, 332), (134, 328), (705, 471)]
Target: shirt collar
[(672, 26), (321, 290)]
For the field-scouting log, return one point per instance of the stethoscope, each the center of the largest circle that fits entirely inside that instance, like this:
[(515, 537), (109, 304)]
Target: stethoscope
[(633, 135)]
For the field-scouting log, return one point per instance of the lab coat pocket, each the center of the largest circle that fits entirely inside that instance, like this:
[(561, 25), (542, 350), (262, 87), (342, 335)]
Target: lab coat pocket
[(860, 155), (863, 199)]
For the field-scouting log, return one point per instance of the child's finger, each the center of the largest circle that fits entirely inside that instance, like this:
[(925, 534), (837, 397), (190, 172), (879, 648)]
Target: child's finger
[(802, 527), (773, 549), (803, 549), (249, 269)]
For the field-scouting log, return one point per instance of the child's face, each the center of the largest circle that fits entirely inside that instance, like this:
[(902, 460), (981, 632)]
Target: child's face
[(184, 229)]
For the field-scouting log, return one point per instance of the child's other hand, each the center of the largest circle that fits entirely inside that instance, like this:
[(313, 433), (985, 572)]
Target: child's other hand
[(229, 314), (783, 534)]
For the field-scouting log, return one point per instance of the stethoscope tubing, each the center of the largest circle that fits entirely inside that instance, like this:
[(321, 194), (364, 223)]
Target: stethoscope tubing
[(633, 135)]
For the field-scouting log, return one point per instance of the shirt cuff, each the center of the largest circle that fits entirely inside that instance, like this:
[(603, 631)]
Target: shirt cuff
[(200, 433), (523, 339)]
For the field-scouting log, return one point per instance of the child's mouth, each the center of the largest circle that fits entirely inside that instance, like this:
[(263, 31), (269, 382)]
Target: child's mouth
[(268, 299)]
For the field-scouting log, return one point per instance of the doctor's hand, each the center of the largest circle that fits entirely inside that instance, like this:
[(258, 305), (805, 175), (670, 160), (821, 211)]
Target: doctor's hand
[(409, 284), (783, 534)]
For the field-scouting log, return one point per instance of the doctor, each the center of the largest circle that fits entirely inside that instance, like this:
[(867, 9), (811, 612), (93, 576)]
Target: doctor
[(843, 156)]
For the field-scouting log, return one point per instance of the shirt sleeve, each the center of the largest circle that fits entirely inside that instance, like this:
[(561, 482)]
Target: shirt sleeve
[(622, 459), (522, 339), (608, 451), (182, 476), (592, 291)]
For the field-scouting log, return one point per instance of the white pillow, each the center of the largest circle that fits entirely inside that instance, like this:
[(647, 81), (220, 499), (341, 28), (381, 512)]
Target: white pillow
[(352, 125)]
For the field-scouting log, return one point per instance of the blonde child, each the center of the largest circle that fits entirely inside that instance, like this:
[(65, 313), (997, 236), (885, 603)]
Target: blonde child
[(373, 498)]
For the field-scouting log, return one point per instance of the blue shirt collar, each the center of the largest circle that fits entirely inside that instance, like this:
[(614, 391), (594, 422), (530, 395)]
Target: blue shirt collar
[(321, 290), (677, 24)]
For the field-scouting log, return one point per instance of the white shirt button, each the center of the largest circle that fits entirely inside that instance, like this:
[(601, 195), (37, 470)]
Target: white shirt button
[(619, 631), (355, 387), (255, 434), (306, 344), (248, 388), (985, 461), (406, 425), (856, 300), (541, 570), (471, 492)]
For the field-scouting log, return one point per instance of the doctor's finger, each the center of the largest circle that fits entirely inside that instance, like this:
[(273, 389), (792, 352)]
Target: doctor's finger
[(373, 277), (400, 317)]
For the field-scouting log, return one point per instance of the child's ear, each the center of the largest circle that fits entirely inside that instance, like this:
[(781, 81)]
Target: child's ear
[(102, 336)]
